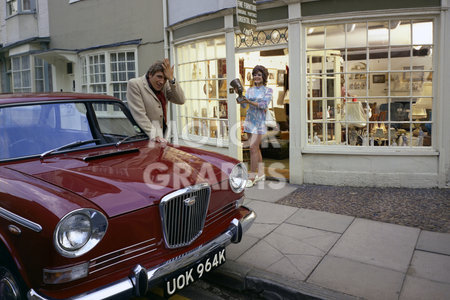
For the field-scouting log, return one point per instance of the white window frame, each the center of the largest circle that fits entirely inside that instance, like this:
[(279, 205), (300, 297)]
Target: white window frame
[(309, 143), (103, 75), (90, 80), (41, 66), (187, 122), (118, 85), (18, 5), (20, 72)]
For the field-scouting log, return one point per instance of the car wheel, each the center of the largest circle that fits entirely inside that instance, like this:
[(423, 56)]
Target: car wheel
[(9, 287)]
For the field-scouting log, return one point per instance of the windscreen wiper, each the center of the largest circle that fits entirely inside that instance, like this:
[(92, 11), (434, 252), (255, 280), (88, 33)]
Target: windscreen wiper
[(69, 146), (129, 137)]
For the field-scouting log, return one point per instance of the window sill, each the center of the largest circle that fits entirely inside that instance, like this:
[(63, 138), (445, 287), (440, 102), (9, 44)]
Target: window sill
[(379, 151), (194, 140), (31, 12)]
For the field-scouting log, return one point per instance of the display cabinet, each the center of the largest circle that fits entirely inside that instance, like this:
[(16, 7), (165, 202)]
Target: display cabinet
[(324, 96)]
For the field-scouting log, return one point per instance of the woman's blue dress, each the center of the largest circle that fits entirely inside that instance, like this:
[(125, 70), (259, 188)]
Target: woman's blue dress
[(256, 115)]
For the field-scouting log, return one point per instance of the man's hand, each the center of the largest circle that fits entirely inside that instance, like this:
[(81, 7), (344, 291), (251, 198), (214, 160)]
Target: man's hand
[(159, 139), (168, 70)]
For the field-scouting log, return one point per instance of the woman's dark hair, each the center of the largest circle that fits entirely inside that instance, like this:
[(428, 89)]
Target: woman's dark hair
[(264, 72)]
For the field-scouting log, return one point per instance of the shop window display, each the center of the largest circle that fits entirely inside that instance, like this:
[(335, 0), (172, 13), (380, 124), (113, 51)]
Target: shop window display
[(201, 70), (370, 83)]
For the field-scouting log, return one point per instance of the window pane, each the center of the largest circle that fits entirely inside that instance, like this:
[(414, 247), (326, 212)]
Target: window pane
[(422, 32), (378, 33), (400, 32), (335, 36), (315, 38), (26, 5), (356, 34)]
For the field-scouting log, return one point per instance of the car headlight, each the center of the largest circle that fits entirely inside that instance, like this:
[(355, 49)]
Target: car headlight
[(79, 231), (238, 178)]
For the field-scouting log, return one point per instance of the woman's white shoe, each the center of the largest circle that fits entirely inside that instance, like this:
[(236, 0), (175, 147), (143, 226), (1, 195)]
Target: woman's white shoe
[(260, 178), (250, 183)]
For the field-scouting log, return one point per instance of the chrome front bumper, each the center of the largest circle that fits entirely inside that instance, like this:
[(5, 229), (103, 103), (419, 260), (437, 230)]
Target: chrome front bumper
[(135, 284)]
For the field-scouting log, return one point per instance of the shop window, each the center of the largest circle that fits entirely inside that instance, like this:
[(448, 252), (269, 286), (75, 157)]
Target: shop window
[(370, 83), (201, 71), (21, 73)]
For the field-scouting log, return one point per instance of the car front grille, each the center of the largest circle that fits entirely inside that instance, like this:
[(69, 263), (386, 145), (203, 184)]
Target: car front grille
[(183, 214)]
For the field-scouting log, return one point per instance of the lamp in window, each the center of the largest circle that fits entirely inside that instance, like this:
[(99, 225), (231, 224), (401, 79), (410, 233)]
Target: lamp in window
[(355, 114), (419, 109)]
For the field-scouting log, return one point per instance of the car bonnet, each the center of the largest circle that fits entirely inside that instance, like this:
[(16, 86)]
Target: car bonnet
[(126, 181)]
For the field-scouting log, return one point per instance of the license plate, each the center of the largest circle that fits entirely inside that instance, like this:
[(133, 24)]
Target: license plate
[(195, 272)]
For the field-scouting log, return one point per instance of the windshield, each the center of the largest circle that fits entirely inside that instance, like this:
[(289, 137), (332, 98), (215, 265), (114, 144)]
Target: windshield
[(34, 129)]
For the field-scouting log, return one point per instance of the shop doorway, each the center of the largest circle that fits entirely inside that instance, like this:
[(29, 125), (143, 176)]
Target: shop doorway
[(275, 144)]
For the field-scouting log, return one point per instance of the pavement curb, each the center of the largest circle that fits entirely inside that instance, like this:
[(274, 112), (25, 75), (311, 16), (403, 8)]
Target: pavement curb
[(241, 277)]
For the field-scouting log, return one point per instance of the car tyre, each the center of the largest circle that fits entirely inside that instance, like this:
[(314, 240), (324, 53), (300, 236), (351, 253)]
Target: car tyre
[(10, 287)]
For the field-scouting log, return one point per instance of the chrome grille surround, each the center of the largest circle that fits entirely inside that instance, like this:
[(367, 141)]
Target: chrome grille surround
[(183, 214)]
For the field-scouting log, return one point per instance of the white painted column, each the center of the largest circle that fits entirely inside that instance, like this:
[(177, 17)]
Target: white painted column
[(442, 109), (297, 115), (234, 146)]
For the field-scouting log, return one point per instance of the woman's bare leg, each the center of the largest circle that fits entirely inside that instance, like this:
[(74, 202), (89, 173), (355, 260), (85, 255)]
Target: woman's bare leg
[(255, 153)]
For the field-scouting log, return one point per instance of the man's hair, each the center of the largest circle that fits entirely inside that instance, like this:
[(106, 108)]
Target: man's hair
[(156, 67), (264, 72)]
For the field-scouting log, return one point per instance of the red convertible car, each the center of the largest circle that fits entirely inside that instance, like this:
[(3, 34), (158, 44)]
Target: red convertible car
[(90, 208)]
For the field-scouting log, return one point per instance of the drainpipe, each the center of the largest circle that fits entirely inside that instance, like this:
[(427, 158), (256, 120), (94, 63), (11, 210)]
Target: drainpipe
[(167, 54), (166, 42)]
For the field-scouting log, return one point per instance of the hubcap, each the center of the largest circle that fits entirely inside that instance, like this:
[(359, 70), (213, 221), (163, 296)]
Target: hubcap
[(8, 286)]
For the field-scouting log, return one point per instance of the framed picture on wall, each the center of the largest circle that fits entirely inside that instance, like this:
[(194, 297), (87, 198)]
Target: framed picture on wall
[(416, 76), (379, 78), (280, 77), (248, 76), (272, 78)]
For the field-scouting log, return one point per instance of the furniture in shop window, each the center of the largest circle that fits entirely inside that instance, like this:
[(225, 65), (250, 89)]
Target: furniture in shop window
[(328, 63)]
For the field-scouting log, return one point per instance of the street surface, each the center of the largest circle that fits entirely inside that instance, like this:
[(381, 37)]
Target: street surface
[(200, 290)]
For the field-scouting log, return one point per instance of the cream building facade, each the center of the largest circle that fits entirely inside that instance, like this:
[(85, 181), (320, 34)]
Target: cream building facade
[(367, 86)]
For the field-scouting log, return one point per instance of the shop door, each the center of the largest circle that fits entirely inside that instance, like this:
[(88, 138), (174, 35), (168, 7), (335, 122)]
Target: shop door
[(275, 143)]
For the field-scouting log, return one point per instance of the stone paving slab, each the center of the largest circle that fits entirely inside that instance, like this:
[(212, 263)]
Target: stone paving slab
[(236, 250), (260, 230), (358, 279), (262, 255), (270, 213), (430, 266), (434, 242), (270, 191), (419, 289), (381, 244), (290, 250), (321, 220)]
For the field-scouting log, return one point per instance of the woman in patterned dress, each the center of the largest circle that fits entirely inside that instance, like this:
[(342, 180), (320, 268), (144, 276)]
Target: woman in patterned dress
[(258, 98)]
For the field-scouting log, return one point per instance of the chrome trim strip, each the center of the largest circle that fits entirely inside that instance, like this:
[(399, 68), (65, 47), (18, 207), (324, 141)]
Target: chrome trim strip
[(219, 217), (122, 249), (20, 220), (96, 264), (124, 287), (121, 261)]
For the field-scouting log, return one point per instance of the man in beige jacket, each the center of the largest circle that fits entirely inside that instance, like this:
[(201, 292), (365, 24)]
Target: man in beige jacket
[(148, 95)]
